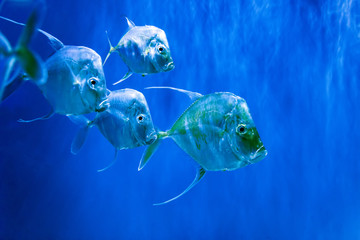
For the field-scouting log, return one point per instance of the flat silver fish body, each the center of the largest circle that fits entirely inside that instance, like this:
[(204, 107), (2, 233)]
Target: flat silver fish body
[(127, 122), (209, 131), (140, 50), (76, 82), (144, 49)]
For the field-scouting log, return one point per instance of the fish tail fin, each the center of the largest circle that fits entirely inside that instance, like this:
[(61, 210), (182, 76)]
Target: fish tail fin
[(112, 49), (151, 149), (80, 137), (31, 63), (111, 164), (200, 172)]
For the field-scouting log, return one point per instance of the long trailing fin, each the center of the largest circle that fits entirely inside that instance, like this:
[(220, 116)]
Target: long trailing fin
[(200, 172), (192, 95), (80, 137), (149, 152), (130, 23), (127, 75), (54, 42), (112, 163), (45, 117)]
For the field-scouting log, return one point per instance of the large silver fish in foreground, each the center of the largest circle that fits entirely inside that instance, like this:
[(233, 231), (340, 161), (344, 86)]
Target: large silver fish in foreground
[(30, 62), (126, 123), (217, 131), (75, 79), (144, 49)]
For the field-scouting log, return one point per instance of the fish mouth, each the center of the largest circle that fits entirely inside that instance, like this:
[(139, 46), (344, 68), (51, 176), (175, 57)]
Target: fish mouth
[(170, 66), (259, 155), (151, 138)]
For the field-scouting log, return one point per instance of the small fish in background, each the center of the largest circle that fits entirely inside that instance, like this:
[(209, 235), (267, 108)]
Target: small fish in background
[(126, 123), (217, 131), (144, 49), (30, 63), (75, 79)]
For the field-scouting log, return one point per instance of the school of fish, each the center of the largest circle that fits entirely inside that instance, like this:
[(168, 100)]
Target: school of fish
[(216, 130)]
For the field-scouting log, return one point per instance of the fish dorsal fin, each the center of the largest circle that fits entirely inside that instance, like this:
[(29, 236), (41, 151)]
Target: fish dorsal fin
[(192, 95), (54, 42), (112, 163), (200, 172), (130, 23)]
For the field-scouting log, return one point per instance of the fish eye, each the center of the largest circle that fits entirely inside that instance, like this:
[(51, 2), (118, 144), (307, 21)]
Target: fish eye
[(93, 81), (241, 129), (161, 49), (140, 118)]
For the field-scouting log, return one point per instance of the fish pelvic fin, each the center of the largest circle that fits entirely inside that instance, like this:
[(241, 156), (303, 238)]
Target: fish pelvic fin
[(112, 163), (192, 95), (126, 76), (151, 149), (80, 137), (200, 172)]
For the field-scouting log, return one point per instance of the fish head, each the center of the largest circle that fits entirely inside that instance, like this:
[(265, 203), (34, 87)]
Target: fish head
[(92, 78), (160, 56), (242, 135), (138, 112)]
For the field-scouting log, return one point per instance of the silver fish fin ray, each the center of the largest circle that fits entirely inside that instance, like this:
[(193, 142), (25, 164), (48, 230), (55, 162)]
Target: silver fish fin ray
[(112, 163), (130, 23), (80, 137), (192, 95), (54, 42), (200, 172), (45, 117), (126, 76), (112, 49), (149, 152)]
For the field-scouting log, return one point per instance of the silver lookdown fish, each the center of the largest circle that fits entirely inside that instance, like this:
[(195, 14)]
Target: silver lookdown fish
[(126, 123), (144, 49), (75, 79), (217, 131)]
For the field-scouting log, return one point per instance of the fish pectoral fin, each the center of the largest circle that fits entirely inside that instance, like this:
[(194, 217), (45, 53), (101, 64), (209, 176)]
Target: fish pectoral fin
[(111, 164), (45, 117), (192, 95), (200, 172), (127, 75)]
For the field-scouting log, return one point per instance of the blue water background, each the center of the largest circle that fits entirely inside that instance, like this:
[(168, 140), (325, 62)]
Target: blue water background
[(297, 64)]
